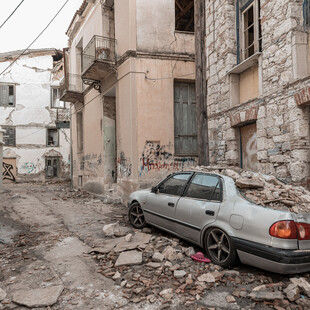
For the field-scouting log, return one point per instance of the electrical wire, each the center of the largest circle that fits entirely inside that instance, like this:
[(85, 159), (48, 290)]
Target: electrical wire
[(11, 64), (12, 13)]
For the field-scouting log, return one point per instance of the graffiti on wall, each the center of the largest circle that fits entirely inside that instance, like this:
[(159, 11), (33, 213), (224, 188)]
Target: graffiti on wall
[(159, 157), (31, 167), (124, 166), (28, 167), (9, 171), (91, 162)]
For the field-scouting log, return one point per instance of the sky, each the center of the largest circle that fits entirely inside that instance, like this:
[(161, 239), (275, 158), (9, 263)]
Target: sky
[(30, 19)]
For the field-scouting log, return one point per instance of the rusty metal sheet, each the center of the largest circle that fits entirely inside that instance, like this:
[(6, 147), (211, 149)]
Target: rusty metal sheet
[(249, 147)]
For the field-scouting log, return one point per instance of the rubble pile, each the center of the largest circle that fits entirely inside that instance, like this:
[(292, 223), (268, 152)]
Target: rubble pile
[(266, 190), (158, 270)]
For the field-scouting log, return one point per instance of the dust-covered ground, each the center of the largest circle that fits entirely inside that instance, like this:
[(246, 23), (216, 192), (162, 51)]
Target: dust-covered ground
[(54, 254)]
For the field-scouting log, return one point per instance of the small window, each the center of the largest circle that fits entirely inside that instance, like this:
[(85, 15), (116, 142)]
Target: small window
[(9, 136), (205, 187), (184, 15), (7, 95), (52, 137), (52, 167), (174, 185), (250, 32), (55, 95)]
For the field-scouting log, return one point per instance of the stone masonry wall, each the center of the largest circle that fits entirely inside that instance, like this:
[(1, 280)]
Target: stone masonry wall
[(282, 123)]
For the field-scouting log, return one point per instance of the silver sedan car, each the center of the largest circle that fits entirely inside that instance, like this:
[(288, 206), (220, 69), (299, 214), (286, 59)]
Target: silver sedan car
[(208, 210)]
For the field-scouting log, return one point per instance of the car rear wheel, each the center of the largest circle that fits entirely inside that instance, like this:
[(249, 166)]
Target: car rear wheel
[(136, 216), (220, 248)]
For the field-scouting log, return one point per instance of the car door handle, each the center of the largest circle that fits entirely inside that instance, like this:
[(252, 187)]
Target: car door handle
[(209, 212), (171, 204)]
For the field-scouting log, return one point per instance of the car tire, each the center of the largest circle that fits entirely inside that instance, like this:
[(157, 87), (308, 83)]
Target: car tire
[(220, 248), (136, 216)]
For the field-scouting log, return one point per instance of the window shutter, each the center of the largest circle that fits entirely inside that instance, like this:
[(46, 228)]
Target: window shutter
[(4, 95)]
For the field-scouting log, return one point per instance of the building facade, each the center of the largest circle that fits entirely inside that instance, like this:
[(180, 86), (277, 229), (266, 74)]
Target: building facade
[(130, 76), (258, 79), (36, 123)]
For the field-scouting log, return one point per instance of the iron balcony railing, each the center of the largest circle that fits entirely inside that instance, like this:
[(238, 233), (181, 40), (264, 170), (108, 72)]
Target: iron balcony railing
[(71, 83), (99, 48)]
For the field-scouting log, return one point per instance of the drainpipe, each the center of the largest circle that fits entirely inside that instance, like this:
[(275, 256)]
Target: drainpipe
[(1, 159), (71, 151)]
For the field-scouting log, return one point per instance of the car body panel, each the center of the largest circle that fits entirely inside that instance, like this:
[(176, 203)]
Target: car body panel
[(191, 216)]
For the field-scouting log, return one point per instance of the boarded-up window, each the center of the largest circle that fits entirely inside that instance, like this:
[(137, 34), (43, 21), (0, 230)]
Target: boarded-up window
[(248, 147), (184, 15), (55, 95), (185, 120), (9, 136), (52, 167), (52, 137), (7, 95)]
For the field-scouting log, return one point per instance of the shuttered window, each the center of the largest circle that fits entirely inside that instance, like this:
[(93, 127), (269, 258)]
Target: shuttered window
[(7, 95), (306, 13), (52, 167), (185, 120), (9, 136)]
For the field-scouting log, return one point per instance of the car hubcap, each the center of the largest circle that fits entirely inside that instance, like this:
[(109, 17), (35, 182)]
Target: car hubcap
[(218, 245), (137, 216)]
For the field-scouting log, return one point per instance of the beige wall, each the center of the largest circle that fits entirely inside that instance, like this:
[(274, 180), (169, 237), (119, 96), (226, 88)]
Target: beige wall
[(156, 28), (249, 86), (125, 25)]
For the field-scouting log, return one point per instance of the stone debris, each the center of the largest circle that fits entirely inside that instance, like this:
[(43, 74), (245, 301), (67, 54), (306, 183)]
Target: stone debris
[(2, 294), (110, 229), (292, 292), (303, 285), (178, 274), (36, 298), (266, 190), (129, 258)]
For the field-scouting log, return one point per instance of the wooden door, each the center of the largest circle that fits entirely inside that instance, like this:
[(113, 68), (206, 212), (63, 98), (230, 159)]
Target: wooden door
[(249, 148)]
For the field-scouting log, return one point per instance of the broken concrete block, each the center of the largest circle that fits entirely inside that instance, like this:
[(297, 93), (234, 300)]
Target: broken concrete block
[(292, 292), (129, 258), (170, 253), (265, 295), (249, 183), (158, 257), (36, 298), (303, 284), (109, 229), (178, 274), (206, 277)]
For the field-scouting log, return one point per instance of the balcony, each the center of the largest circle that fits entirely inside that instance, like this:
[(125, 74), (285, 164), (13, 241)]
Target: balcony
[(71, 88), (98, 59)]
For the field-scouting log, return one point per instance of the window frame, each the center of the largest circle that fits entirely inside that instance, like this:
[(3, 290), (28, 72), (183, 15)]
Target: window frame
[(47, 130), (4, 135), (171, 176), (189, 24), (255, 4), (57, 88), (220, 182), (14, 95)]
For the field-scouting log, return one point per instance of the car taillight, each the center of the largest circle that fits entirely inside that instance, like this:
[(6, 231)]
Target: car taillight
[(290, 230), (284, 230), (303, 231)]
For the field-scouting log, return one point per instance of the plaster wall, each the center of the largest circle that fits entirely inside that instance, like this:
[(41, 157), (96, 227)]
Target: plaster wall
[(32, 77), (125, 26), (156, 28)]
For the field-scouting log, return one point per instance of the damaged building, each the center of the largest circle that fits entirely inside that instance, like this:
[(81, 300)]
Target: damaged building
[(256, 56), (130, 76), (36, 123)]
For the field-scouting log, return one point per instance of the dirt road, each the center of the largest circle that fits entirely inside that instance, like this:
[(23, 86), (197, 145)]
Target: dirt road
[(55, 255)]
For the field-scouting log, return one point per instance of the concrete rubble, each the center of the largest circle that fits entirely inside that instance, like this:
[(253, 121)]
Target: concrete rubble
[(266, 190)]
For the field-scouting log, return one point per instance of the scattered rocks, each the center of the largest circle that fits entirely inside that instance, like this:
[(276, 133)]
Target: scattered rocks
[(158, 257), (170, 253)]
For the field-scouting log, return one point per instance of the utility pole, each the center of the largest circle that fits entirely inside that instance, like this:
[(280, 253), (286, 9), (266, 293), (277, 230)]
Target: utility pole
[(201, 82), (1, 159)]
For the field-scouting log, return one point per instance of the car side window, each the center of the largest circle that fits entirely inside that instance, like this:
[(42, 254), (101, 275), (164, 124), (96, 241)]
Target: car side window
[(205, 187), (174, 185)]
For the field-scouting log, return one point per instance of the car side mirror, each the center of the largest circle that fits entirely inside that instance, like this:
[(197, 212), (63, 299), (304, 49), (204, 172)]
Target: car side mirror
[(154, 189)]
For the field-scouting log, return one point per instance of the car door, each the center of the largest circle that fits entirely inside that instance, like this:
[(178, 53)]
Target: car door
[(198, 206), (160, 206)]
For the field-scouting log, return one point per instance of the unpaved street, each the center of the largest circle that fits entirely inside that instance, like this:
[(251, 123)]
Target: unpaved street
[(54, 254)]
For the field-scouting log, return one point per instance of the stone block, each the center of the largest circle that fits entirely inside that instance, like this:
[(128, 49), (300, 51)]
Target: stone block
[(129, 258), (273, 131), (286, 146)]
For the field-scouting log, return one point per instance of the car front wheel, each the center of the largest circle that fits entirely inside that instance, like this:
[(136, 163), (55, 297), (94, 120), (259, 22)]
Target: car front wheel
[(220, 248), (136, 216)]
